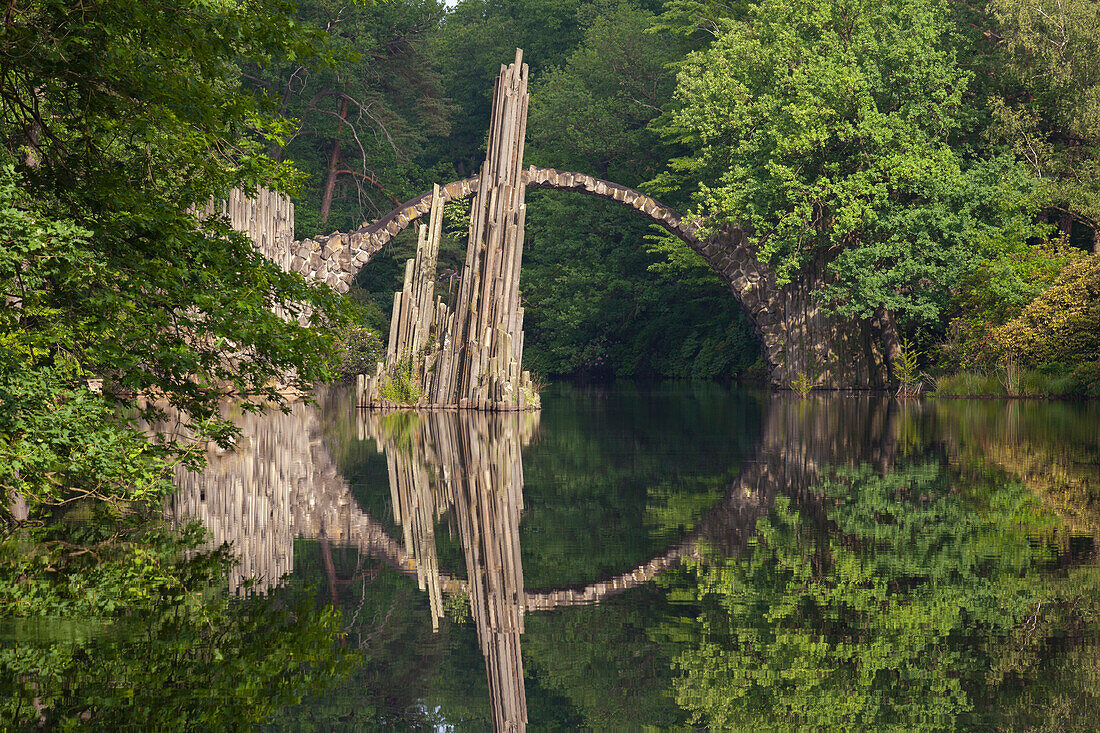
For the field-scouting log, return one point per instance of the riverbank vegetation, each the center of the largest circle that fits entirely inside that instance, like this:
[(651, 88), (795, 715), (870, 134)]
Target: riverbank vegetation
[(117, 120)]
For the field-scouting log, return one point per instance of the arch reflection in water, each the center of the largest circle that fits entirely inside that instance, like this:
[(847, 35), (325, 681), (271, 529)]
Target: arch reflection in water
[(282, 483), (470, 464)]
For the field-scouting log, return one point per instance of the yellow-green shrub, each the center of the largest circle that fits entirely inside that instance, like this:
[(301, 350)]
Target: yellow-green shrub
[(1061, 325), (993, 295)]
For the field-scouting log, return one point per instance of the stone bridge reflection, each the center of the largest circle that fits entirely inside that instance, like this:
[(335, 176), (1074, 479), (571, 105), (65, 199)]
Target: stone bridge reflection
[(283, 483)]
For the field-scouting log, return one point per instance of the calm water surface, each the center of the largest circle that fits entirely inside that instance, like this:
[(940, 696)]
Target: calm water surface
[(683, 555)]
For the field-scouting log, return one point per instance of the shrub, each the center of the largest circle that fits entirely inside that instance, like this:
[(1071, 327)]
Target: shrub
[(995, 294), (358, 349), (968, 384), (802, 385), (1049, 382), (1052, 380), (1061, 324), (907, 370), (400, 384), (1086, 379)]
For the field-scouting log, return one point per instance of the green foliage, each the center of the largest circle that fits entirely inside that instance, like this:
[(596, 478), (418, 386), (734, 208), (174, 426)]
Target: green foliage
[(160, 647), (362, 118), (1060, 324), (594, 309), (399, 384), (880, 623), (994, 294), (357, 351), (1052, 380), (907, 370), (132, 114), (62, 447), (476, 37), (110, 608), (597, 300), (593, 113), (1046, 101), (456, 607), (968, 384), (830, 131), (118, 119), (802, 385)]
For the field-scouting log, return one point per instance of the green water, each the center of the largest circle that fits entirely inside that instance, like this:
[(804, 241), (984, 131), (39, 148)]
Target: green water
[(857, 562), (672, 556)]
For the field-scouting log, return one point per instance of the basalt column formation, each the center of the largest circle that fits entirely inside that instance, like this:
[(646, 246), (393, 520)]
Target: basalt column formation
[(475, 359), (419, 319)]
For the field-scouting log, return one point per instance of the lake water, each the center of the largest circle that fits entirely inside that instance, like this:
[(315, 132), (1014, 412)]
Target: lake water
[(682, 554)]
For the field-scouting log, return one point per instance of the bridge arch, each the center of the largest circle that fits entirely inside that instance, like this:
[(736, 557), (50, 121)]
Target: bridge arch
[(725, 253), (799, 340), (374, 236)]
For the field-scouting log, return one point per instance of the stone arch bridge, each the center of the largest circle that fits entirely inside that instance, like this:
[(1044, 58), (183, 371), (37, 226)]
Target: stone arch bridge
[(797, 338)]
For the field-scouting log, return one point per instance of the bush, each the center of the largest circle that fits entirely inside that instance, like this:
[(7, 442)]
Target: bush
[(400, 385), (1061, 324), (995, 294), (1052, 380), (969, 384), (1086, 379), (358, 349)]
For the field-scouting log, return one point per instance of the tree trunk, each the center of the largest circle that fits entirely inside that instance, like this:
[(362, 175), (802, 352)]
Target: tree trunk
[(330, 181), (333, 170), (888, 333), (17, 507), (1065, 224)]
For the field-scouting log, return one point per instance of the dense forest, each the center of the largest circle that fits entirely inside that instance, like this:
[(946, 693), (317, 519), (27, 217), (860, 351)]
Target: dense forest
[(941, 157), (940, 160)]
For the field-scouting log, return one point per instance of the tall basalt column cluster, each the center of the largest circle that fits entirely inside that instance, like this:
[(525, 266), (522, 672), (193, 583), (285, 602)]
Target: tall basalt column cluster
[(475, 359), (488, 330)]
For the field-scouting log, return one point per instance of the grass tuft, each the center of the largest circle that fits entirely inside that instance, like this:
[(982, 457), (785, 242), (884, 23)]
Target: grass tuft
[(1010, 383)]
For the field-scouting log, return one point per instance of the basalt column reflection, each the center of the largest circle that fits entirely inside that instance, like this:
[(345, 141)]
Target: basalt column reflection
[(467, 463), (250, 497)]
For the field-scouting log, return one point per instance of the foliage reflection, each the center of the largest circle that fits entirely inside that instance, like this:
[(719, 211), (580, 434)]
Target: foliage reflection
[(922, 598)]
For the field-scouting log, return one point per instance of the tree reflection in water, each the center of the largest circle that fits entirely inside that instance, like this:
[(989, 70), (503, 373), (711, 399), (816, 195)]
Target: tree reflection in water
[(937, 592), (170, 648)]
